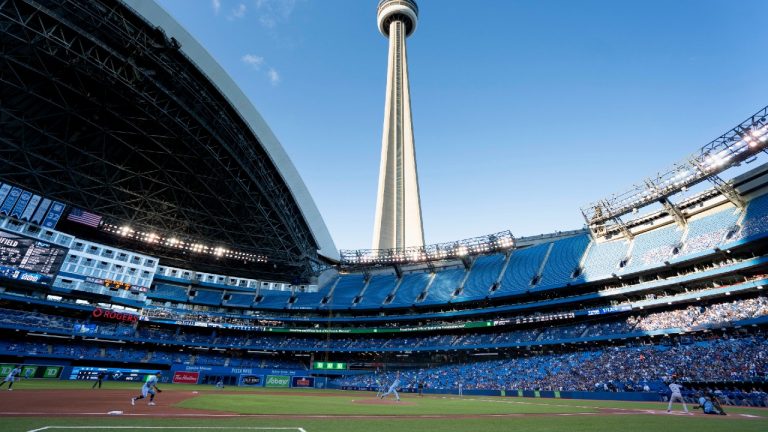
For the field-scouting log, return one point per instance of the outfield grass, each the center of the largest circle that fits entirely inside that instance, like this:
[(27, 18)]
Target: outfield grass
[(630, 423), (351, 405), (293, 406)]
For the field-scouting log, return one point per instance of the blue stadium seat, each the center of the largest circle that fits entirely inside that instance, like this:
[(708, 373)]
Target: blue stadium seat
[(310, 300), (707, 232), (563, 260), (211, 298), (273, 299), (603, 259), (240, 299), (652, 248), (168, 292), (378, 289), (348, 287), (481, 277), (523, 266), (756, 220), (411, 287), (443, 286)]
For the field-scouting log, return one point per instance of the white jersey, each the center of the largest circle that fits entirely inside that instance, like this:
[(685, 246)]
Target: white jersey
[(151, 382), (395, 383), (12, 374), (675, 388)]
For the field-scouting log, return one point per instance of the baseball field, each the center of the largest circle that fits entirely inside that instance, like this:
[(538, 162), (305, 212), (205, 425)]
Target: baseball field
[(36, 406)]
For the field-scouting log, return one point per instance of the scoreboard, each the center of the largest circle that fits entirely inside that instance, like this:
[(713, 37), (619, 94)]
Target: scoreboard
[(27, 259), (116, 285), (113, 374), (329, 365)]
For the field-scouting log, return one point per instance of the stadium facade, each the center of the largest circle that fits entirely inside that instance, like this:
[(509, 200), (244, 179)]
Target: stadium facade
[(121, 254)]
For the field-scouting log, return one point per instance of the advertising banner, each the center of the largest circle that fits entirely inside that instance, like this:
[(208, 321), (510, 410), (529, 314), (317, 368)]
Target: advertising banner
[(52, 371), (302, 382), (278, 381), (251, 380), (28, 372), (32, 371), (182, 377)]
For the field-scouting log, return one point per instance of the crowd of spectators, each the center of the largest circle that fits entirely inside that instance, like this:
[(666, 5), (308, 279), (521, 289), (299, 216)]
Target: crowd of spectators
[(695, 317), (645, 368), (90, 351)]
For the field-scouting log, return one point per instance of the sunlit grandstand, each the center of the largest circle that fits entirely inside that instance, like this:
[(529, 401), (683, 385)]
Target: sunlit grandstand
[(170, 232)]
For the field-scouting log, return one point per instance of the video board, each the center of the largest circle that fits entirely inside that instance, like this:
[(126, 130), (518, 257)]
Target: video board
[(112, 374), (28, 259)]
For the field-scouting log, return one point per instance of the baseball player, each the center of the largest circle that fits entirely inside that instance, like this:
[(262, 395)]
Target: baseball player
[(149, 388), (99, 379), (676, 396), (393, 388), (12, 376), (379, 387)]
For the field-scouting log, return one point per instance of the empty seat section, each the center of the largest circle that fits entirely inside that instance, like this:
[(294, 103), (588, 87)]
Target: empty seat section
[(273, 299), (523, 266), (603, 259), (348, 287), (443, 286), (240, 299), (312, 300), (756, 220), (378, 289), (212, 298), (411, 287), (481, 277), (168, 292), (654, 247), (563, 260), (709, 231)]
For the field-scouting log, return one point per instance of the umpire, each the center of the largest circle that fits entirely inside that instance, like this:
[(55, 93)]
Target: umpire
[(99, 379)]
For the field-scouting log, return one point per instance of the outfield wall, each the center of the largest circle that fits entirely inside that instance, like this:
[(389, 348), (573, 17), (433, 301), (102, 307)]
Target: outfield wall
[(245, 376), (618, 396)]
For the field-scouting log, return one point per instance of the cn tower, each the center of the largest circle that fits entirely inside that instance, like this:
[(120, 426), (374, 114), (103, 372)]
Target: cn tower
[(398, 222)]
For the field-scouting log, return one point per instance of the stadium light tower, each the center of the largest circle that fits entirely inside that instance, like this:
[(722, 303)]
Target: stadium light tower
[(398, 207)]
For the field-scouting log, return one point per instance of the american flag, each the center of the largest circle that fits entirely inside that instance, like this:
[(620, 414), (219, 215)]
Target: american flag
[(84, 217)]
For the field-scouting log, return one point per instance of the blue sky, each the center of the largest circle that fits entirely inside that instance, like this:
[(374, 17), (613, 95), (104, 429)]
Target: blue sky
[(524, 111)]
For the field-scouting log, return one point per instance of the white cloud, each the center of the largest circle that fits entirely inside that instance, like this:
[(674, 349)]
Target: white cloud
[(253, 61), (216, 6), (238, 12), (274, 77), (257, 62), (272, 12)]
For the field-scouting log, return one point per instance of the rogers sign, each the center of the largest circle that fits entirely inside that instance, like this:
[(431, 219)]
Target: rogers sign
[(114, 316)]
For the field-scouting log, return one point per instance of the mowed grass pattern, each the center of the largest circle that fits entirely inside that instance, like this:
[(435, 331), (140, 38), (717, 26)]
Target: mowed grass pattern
[(336, 411), (628, 423), (359, 404)]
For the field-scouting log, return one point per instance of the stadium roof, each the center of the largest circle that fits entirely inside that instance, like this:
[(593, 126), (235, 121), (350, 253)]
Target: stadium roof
[(113, 107)]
